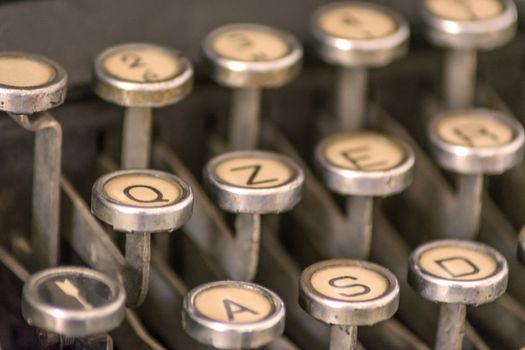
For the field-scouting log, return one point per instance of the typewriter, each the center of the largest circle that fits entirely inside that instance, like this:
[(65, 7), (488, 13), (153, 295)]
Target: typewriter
[(281, 175)]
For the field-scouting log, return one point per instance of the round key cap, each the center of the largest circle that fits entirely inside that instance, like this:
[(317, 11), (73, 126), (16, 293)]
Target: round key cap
[(479, 24), (456, 273), (252, 55), (359, 34), (73, 301), (142, 201), (476, 141), (254, 182), (30, 83), (142, 75), (464, 27), (347, 294), (473, 142), (249, 57), (233, 315), (355, 36), (364, 164)]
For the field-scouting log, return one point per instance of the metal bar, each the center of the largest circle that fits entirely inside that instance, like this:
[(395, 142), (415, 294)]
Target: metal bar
[(138, 256), (343, 337), (460, 78), (244, 254), (351, 97), (359, 213), (467, 212), (136, 138), (244, 118), (46, 187), (451, 326)]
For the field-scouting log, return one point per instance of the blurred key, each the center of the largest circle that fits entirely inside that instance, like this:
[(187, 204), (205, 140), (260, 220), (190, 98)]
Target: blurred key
[(247, 58)]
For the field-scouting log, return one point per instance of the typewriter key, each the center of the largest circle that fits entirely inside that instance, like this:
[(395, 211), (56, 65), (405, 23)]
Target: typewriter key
[(363, 165), (141, 202), (248, 57), (73, 302), (456, 273), (472, 143), (464, 27), (356, 36), (233, 315), (30, 85), (251, 183), (347, 294), (140, 77)]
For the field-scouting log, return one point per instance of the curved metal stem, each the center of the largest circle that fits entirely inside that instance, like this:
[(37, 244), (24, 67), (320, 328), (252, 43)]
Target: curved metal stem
[(243, 258), (46, 187), (460, 78), (451, 327), (351, 97), (359, 217), (343, 337), (136, 138), (244, 118)]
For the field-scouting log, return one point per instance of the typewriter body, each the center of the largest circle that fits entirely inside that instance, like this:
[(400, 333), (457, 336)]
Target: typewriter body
[(402, 99)]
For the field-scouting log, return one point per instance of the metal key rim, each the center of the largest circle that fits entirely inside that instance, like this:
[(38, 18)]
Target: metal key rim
[(123, 216), (142, 94), (255, 200), (368, 53), (443, 290), (250, 334), (71, 322), (348, 313), (475, 160), (242, 74), (365, 183), (483, 35)]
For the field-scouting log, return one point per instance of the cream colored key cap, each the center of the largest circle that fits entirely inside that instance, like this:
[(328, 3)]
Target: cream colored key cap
[(480, 141), (254, 182), (456, 273), (346, 294), (357, 21), (465, 10), (233, 315), (250, 45), (142, 190), (142, 201), (142, 64), (364, 163)]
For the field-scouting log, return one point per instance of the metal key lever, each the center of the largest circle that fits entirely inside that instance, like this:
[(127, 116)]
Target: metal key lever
[(248, 58), (356, 36), (140, 202), (46, 186), (33, 86), (140, 77), (249, 184), (361, 166), (463, 27), (472, 143), (456, 273)]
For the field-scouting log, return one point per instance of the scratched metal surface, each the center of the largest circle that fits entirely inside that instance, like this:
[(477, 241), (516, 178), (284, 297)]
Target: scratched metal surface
[(73, 32)]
